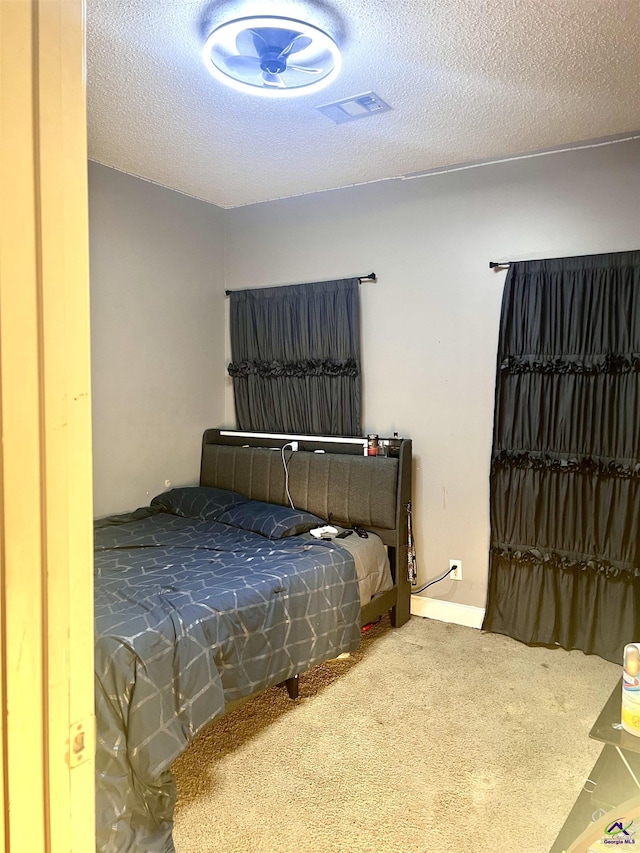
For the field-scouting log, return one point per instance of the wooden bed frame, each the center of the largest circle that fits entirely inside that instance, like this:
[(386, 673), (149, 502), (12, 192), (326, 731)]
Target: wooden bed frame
[(332, 478)]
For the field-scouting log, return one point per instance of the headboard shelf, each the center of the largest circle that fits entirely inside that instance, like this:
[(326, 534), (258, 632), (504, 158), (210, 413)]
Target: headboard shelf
[(312, 443)]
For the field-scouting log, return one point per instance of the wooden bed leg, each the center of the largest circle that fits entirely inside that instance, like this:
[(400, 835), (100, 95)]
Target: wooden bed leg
[(293, 687), (401, 613)]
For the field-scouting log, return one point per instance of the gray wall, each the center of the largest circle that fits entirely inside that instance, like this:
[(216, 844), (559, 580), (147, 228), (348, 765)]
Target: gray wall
[(430, 324), (157, 316), (160, 262)]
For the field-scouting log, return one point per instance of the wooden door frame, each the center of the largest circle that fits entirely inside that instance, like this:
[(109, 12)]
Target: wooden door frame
[(46, 596)]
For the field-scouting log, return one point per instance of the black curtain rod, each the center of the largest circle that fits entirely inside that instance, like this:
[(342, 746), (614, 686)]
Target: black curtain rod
[(496, 265), (370, 277)]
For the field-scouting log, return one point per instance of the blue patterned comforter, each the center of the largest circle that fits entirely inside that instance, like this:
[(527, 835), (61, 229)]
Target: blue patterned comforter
[(190, 615)]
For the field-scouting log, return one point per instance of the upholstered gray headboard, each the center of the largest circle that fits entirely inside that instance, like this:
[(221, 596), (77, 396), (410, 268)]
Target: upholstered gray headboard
[(337, 487), (342, 486)]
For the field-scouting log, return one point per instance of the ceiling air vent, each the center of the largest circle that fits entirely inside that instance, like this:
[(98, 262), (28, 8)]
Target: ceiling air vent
[(359, 106)]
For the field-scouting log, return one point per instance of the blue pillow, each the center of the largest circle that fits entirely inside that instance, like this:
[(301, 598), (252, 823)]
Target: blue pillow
[(203, 502), (271, 520)]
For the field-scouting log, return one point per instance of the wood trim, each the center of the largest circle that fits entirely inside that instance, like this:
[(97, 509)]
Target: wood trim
[(447, 611), (46, 603)]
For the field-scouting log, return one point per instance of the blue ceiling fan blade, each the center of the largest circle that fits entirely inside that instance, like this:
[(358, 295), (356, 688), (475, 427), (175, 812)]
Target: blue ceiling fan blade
[(251, 43), (249, 64), (299, 42), (273, 80), (306, 70)]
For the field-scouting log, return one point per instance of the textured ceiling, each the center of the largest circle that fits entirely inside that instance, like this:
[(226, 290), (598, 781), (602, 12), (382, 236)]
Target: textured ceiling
[(468, 80)]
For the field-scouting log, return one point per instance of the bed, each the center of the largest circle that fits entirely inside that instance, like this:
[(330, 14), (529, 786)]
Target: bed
[(216, 592)]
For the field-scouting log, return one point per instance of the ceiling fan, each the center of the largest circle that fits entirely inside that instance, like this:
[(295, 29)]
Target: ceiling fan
[(272, 55)]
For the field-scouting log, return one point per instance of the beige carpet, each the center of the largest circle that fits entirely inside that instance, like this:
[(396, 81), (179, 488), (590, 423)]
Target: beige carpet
[(431, 738)]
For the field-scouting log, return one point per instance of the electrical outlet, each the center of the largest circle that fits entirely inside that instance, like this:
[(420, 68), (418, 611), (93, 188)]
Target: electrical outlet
[(455, 570)]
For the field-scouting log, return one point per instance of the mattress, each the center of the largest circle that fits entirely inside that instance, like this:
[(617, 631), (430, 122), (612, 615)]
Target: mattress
[(371, 560), (190, 615)]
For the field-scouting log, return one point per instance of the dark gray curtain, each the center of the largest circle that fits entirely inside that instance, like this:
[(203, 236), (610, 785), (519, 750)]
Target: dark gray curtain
[(296, 358), (565, 468)]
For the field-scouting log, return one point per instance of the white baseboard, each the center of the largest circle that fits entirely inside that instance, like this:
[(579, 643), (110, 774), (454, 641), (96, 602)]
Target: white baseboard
[(447, 611)]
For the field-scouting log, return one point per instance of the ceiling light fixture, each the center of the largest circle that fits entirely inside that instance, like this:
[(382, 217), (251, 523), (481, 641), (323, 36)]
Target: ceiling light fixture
[(272, 56)]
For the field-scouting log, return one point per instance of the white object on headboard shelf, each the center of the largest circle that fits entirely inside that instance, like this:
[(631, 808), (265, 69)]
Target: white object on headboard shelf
[(332, 439)]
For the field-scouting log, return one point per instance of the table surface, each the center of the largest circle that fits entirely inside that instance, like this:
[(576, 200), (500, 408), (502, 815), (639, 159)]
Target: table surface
[(607, 727)]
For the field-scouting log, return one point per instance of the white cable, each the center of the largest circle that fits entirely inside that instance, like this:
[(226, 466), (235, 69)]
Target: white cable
[(286, 471)]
